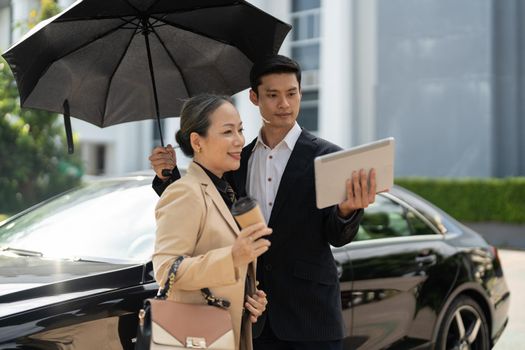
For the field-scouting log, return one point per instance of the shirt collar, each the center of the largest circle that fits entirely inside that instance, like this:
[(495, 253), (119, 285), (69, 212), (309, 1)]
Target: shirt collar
[(220, 183), (290, 139)]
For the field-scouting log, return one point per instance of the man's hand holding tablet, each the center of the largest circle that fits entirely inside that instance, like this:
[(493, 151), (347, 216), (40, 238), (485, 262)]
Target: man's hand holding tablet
[(340, 175)]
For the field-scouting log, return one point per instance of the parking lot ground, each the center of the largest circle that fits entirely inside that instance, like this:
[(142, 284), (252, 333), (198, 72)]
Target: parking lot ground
[(513, 337)]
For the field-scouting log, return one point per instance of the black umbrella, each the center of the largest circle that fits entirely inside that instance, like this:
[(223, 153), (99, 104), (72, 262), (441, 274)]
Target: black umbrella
[(113, 61)]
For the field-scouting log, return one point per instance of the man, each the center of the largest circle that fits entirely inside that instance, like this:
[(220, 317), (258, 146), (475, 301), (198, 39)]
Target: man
[(298, 272)]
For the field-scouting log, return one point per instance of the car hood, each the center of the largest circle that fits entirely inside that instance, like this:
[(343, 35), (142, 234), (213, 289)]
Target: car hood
[(28, 282)]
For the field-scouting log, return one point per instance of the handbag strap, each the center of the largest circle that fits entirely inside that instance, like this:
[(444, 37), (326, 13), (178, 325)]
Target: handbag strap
[(206, 293)]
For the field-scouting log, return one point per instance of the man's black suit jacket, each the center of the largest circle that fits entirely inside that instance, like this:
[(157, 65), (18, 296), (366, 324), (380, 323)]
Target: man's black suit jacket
[(298, 272)]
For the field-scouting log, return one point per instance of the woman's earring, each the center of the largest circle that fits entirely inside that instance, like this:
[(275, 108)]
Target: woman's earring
[(199, 150)]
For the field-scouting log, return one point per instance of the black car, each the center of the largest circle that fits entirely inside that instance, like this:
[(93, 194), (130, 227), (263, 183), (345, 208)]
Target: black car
[(75, 270)]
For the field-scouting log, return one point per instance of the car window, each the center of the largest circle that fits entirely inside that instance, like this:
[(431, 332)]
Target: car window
[(441, 220), (388, 219)]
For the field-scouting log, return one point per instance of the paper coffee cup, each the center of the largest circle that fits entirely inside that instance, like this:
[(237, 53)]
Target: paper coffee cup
[(246, 212)]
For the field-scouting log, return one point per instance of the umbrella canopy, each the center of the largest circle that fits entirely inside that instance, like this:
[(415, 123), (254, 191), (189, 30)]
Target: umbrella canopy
[(110, 62)]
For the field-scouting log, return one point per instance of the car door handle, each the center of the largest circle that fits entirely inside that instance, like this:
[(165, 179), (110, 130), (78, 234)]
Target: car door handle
[(426, 259)]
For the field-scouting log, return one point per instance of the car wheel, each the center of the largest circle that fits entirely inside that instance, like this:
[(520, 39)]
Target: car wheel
[(464, 327)]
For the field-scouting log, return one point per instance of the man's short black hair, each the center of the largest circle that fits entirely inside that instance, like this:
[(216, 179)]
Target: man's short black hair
[(270, 65)]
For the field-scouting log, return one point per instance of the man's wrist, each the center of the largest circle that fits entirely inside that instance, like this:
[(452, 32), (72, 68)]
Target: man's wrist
[(346, 219), (344, 213)]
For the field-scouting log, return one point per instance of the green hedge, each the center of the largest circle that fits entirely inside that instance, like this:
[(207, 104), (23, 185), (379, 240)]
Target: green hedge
[(473, 199)]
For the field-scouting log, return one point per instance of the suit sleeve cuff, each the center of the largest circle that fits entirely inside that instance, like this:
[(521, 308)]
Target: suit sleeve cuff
[(160, 185), (348, 219)]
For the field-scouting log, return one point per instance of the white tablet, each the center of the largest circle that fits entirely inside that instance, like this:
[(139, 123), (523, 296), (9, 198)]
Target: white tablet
[(332, 170)]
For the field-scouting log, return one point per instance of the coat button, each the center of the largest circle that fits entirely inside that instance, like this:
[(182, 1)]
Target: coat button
[(268, 267)]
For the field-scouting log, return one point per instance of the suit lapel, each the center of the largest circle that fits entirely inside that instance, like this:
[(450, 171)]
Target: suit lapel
[(213, 193), (300, 159)]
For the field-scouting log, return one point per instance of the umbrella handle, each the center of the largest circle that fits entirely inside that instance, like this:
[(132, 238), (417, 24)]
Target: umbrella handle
[(166, 172)]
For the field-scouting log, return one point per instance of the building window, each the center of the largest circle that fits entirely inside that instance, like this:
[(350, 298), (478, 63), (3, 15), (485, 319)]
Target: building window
[(309, 110), (302, 5), (307, 56), (100, 158), (94, 157), (305, 47)]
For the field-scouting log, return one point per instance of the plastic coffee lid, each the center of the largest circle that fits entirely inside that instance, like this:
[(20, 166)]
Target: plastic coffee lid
[(243, 205)]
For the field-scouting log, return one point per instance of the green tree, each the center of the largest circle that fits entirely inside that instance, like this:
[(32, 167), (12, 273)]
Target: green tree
[(34, 164)]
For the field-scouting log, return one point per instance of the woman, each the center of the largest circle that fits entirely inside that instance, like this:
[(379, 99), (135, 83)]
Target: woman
[(194, 220)]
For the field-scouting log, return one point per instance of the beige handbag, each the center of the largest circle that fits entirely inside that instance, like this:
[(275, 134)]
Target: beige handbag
[(167, 324)]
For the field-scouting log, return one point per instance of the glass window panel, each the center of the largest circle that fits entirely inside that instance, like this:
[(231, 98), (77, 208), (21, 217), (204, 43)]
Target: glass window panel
[(301, 5), (308, 117), (306, 27), (418, 226), (383, 219), (317, 25), (310, 27), (296, 28), (307, 56), (310, 95), (387, 219)]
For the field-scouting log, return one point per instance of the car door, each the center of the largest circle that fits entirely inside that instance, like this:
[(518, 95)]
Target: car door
[(391, 258)]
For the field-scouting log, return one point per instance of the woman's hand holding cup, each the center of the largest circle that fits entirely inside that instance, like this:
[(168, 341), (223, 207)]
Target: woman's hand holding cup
[(250, 244)]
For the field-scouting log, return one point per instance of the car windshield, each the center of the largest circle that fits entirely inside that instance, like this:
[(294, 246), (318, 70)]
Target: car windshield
[(109, 219)]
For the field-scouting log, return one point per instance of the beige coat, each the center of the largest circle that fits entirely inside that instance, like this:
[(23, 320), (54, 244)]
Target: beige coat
[(194, 221)]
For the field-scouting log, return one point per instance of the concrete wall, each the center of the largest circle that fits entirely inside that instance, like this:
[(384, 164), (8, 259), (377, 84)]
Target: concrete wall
[(509, 90)]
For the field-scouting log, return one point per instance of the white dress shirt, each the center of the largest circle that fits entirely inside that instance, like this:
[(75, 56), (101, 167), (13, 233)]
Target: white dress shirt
[(266, 167)]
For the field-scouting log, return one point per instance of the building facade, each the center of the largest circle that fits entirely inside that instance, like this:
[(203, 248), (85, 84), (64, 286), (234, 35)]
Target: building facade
[(444, 77)]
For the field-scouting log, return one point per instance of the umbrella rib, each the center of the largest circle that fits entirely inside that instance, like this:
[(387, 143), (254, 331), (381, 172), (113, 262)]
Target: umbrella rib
[(51, 62), (110, 80), (163, 14), (154, 24), (137, 11), (158, 25), (152, 75), (91, 18), (111, 31), (171, 57), (150, 14), (192, 30)]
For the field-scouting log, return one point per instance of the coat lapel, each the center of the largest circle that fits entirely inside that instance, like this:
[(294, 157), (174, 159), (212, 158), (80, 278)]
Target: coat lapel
[(213, 193), (300, 159)]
